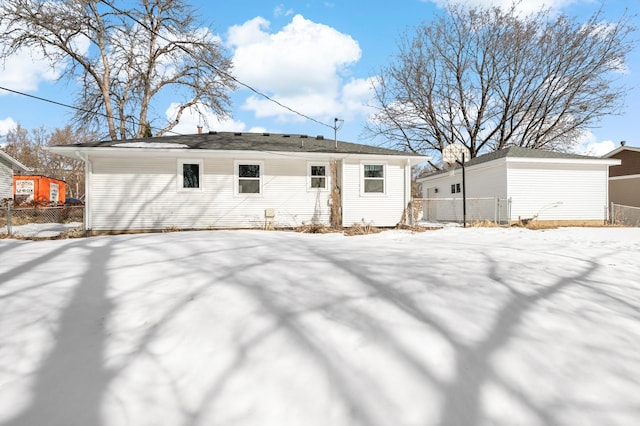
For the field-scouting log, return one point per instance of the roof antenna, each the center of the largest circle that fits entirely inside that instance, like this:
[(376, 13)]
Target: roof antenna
[(336, 127)]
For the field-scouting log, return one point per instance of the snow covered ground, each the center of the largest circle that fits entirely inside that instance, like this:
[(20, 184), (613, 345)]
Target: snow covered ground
[(476, 326), (40, 230)]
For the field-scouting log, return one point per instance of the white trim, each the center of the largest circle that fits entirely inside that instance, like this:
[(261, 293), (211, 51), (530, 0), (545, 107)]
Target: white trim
[(620, 149), (326, 176), (180, 174), (236, 178), (88, 192), (188, 153), (498, 162), (582, 161), (14, 162), (385, 166), (624, 177)]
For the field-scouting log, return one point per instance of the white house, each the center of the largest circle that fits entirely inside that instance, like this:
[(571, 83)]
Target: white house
[(239, 180), (522, 184), (8, 165)]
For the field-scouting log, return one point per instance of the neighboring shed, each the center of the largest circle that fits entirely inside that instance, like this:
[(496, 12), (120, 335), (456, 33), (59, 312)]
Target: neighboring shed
[(8, 165), (42, 189), (551, 187), (624, 179), (240, 180)]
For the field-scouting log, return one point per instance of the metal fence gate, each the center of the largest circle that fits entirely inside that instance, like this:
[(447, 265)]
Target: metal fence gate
[(10, 216)]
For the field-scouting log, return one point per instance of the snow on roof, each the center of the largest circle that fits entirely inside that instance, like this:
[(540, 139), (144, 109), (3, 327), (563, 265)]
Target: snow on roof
[(150, 145)]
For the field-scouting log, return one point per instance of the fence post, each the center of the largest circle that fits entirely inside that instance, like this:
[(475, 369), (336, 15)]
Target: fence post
[(611, 218), (9, 218)]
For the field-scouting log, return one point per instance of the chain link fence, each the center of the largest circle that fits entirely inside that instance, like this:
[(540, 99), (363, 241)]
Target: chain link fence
[(625, 215), (489, 209), (11, 216)]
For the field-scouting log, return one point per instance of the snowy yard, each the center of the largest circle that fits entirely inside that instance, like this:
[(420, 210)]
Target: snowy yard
[(476, 326)]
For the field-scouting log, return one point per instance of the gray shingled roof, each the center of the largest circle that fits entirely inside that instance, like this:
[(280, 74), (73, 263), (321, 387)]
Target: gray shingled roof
[(250, 142), (517, 152)]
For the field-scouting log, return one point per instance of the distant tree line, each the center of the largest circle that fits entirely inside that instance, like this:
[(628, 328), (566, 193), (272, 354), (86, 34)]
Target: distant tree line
[(28, 147)]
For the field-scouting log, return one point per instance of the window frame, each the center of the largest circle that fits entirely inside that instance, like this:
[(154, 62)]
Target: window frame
[(363, 179), (180, 174), (236, 178), (310, 177)]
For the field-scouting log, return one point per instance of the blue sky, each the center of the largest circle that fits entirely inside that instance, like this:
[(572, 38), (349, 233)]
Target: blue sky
[(315, 57)]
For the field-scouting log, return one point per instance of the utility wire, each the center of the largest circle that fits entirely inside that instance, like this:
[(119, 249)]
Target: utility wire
[(188, 52), (88, 111)]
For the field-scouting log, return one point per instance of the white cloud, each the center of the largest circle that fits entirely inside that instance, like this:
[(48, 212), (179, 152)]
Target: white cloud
[(526, 6), (210, 122), (252, 32), (588, 145), (281, 10), (7, 125), (25, 70), (357, 96), (302, 66)]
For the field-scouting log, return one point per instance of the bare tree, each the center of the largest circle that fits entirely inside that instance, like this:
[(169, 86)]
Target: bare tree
[(68, 169), (488, 78), (123, 59), (29, 147)]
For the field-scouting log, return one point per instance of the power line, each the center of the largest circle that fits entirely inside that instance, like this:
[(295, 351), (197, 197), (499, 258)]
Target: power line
[(88, 111), (51, 101), (188, 52)]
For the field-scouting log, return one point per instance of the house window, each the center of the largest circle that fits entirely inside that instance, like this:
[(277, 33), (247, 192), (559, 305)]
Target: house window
[(189, 175), (455, 187), (373, 178), (249, 177), (317, 175)]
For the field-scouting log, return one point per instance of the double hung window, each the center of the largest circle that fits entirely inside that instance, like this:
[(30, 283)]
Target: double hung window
[(317, 175), (249, 177), (373, 176), (189, 175)]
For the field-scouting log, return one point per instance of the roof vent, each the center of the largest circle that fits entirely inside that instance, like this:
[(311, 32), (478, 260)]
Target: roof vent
[(237, 134), (320, 137), (213, 132), (266, 134), (286, 136), (304, 136)]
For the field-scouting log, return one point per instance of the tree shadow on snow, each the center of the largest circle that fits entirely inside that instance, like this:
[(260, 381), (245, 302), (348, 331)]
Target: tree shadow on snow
[(70, 382)]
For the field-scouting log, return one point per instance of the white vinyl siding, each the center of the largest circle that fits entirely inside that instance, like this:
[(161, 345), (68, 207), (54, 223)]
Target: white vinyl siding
[(6, 180), (558, 191), (480, 183), (553, 191), (139, 193), (377, 209)]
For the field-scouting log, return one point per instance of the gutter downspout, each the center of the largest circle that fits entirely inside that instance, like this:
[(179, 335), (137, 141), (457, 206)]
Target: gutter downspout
[(87, 189), (407, 192)]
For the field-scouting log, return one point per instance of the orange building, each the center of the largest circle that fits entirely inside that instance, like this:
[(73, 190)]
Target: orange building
[(38, 188)]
